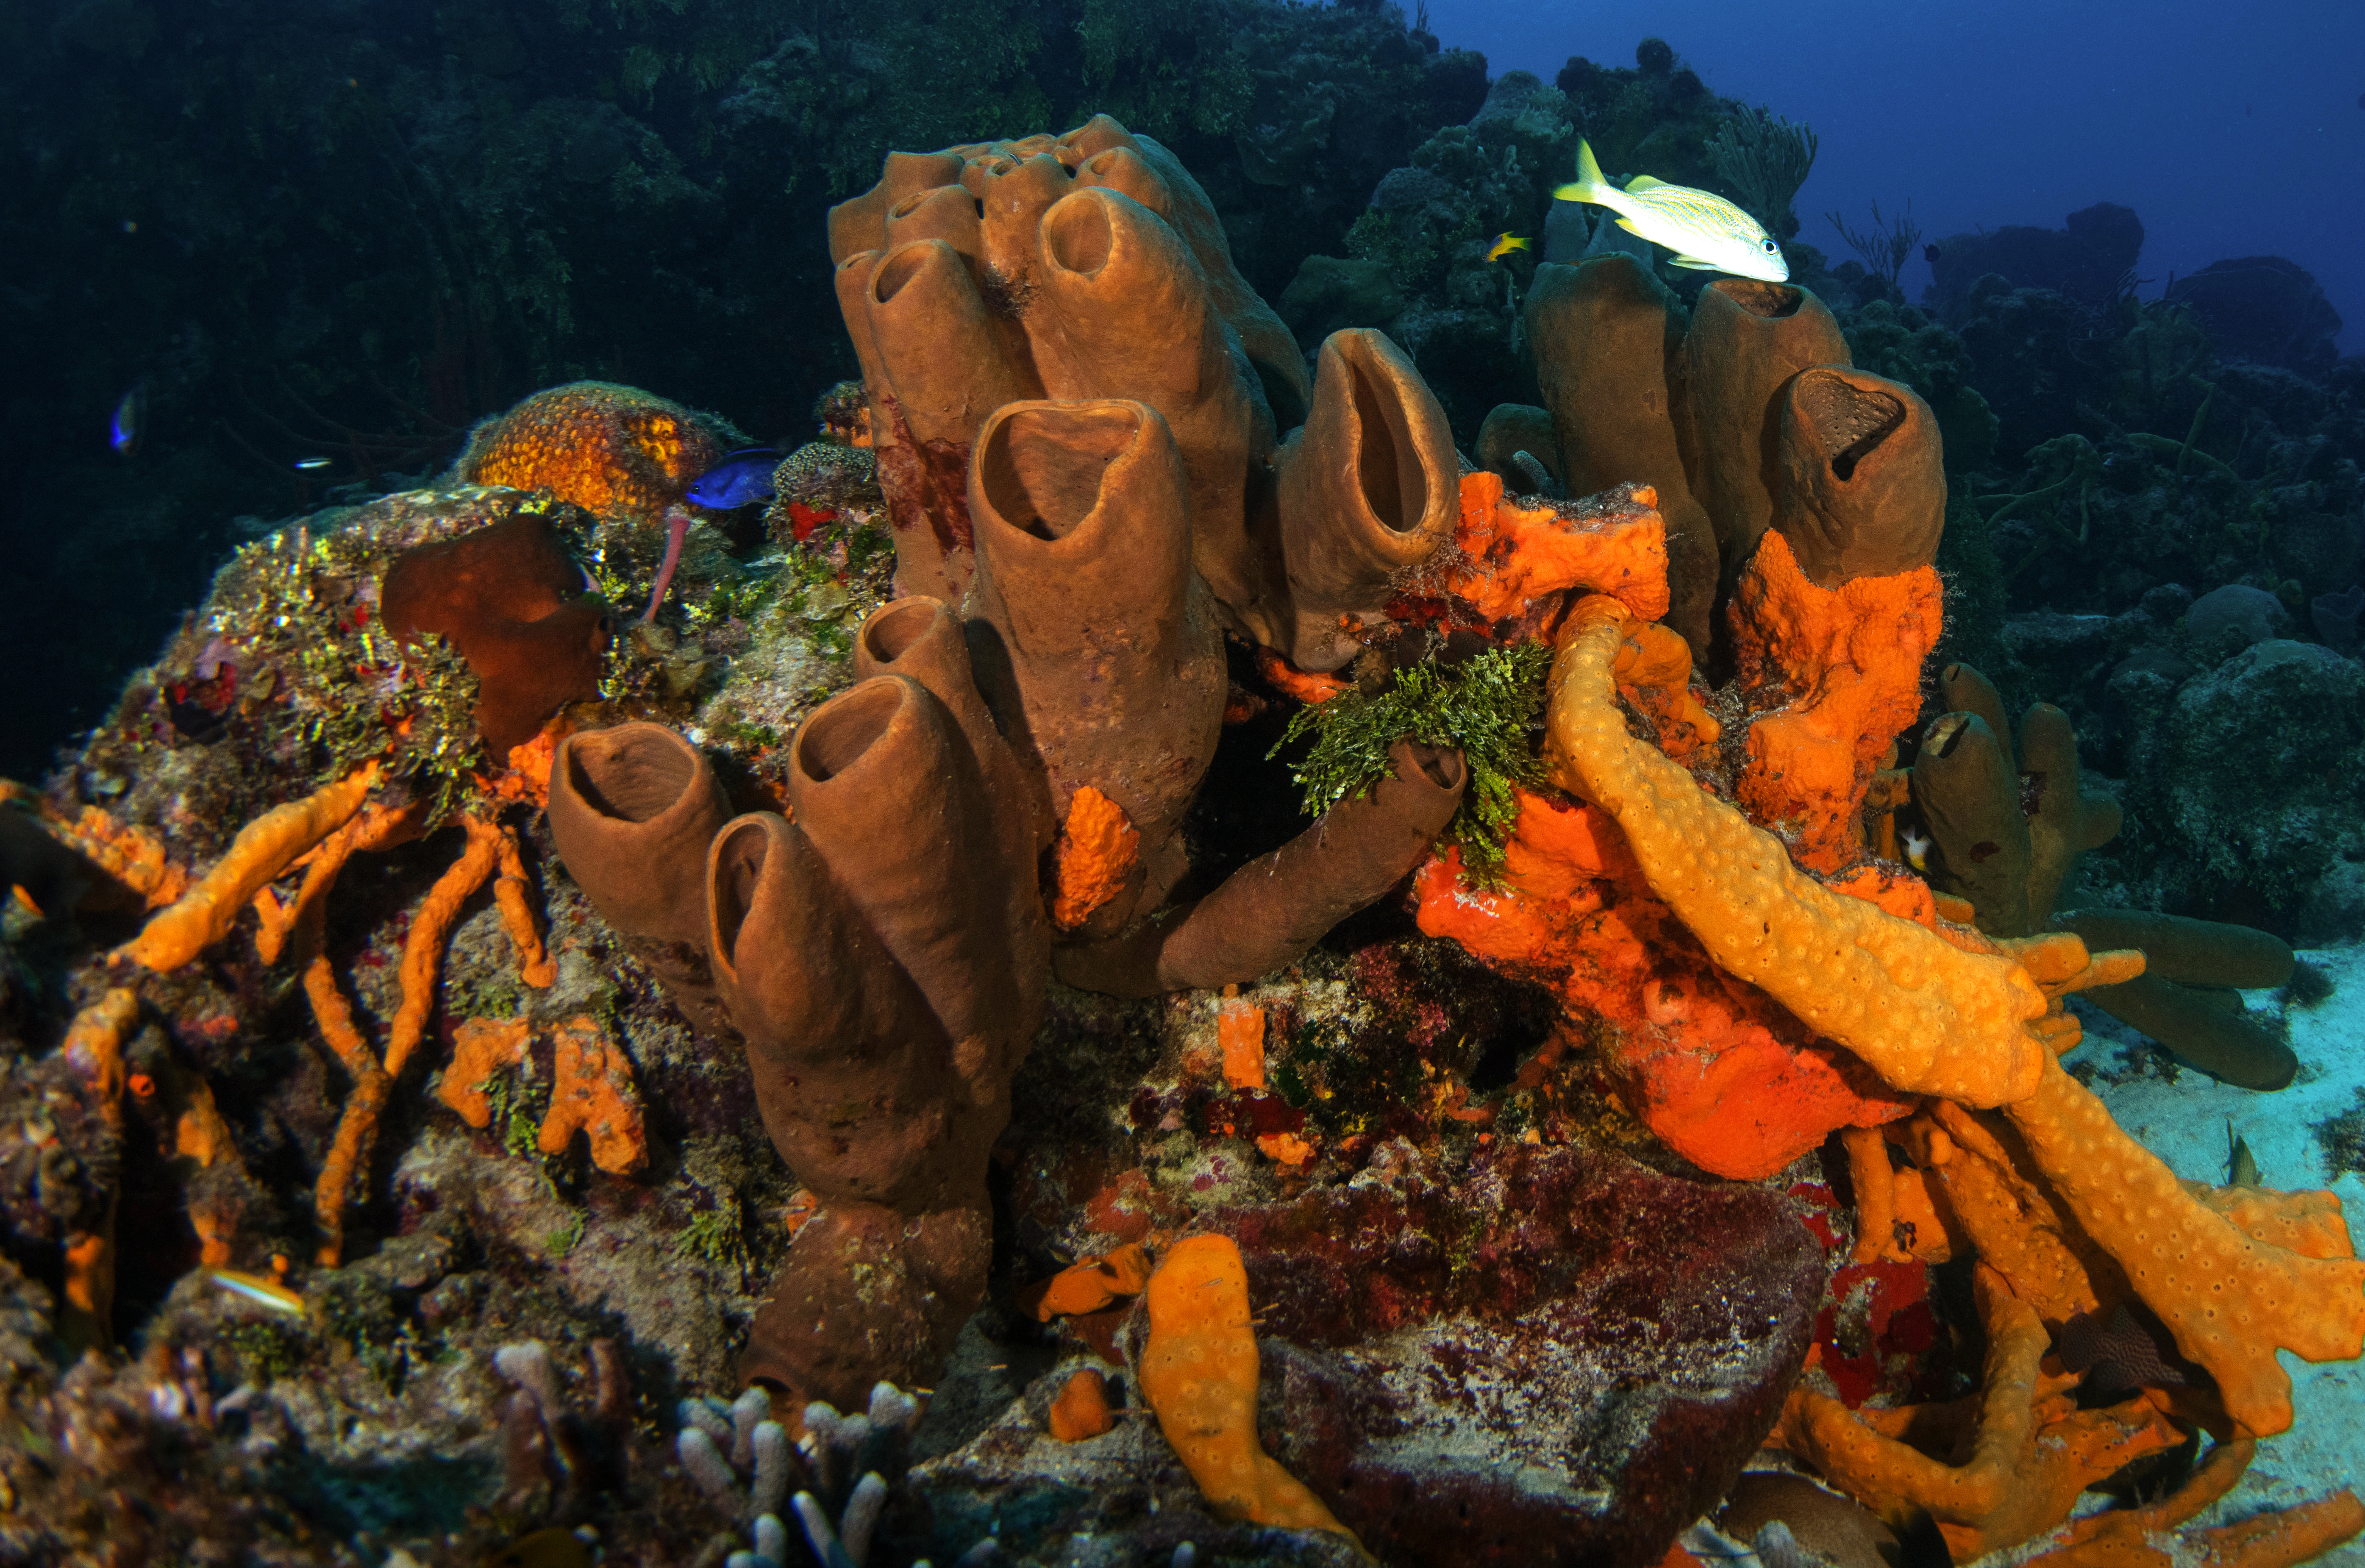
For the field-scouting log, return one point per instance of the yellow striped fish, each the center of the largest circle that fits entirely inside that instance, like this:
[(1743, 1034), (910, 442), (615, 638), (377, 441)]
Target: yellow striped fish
[(1706, 232)]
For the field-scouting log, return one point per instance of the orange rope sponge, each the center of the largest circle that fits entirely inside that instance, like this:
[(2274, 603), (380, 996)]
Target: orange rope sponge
[(1199, 1374), (2032, 1453), (535, 966), (613, 451), (1928, 1017), (593, 1093), (480, 1047), (430, 929), (1847, 662), (1096, 853), (263, 848), (2138, 1538)]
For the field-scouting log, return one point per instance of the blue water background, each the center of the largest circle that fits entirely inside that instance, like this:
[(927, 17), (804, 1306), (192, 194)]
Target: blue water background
[(2232, 130)]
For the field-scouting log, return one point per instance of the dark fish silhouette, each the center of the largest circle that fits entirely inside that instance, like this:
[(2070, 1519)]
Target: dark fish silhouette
[(738, 479), (2114, 1352)]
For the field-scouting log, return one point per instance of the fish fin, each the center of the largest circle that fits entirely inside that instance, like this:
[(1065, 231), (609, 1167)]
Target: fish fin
[(1695, 264), (1588, 185), (1643, 183), (1628, 226)]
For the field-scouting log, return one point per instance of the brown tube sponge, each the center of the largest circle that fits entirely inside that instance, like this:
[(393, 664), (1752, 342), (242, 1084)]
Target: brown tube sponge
[(1270, 912), (861, 224), (2192, 952), (1600, 334), (2200, 1031), (1513, 427), (1125, 313), (1107, 154), (510, 598), (867, 951), (1745, 342), (1092, 639), (1969, 794), (1015, 194), (1369, 488), (942, 363), (869, 1294), (633, 810), (1860, 480), (882, 784)]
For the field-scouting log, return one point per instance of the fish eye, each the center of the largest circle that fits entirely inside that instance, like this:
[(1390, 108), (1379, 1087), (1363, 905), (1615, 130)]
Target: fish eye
[(1771, 247)]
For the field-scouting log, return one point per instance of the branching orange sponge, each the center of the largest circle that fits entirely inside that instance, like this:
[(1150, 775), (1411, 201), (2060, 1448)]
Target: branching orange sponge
[(1199, 1374), (263, 848), (1927, 1016)]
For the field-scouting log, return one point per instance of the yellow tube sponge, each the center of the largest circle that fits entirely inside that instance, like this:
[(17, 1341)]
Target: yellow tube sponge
[(1928, 1017), (263, 848), (2231, 1299), (1199, 1374)]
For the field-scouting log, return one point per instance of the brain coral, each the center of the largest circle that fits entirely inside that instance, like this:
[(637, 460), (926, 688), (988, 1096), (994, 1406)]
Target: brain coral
[(613, 451)]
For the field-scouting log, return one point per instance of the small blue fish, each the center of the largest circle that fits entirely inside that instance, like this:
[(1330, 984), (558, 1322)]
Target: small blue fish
[(738, 479), (124, 431), (312, 465)]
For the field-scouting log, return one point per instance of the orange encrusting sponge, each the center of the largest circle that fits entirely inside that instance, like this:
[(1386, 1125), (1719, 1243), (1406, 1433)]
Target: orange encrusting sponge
[(1199, 1374)]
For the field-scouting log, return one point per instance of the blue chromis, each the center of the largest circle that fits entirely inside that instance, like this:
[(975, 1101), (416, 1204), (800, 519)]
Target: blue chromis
[(737, 479), (130, 421), (1706, 232), (1505, 243)]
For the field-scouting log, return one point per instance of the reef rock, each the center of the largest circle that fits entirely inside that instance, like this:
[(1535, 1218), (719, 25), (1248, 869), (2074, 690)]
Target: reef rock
[(2265, 309), (1557, 1356), (2085, 259)]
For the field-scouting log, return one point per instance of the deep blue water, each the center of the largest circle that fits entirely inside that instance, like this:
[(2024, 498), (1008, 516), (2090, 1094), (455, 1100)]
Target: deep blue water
[(2233, 130)]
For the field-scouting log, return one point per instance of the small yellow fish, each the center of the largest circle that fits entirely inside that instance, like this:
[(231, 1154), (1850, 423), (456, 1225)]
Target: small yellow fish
[(1706, 232), (1505, 243), (260, 1291)]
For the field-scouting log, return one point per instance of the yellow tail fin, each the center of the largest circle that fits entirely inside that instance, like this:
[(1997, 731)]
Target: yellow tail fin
[(1589, 185)]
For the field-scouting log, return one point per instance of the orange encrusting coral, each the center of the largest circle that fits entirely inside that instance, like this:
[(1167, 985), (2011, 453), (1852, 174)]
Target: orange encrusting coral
[(1096, 852), (1199, 1374), (1239, 1033), (263, 848), (1613, 543), (592, 1093), (613, 451), (1843, 669), (133, 855)]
